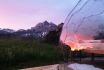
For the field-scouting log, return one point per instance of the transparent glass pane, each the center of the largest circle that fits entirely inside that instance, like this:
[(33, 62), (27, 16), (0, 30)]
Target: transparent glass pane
[(84, 26)]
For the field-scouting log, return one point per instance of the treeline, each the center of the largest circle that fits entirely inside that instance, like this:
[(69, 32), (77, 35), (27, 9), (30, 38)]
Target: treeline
[(32, 47)]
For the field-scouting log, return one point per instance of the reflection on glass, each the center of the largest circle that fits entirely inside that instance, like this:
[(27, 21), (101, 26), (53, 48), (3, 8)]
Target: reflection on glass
[(84, 26)]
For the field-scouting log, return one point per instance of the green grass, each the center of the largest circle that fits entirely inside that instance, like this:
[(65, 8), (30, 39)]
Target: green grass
[(17, 53)]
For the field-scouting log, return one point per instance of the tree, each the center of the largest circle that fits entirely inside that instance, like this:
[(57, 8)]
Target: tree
[(100, 34), (53, 37)]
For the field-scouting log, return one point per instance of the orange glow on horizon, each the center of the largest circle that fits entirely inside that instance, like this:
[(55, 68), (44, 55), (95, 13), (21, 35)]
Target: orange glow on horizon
[(75, 44), (83, 42)]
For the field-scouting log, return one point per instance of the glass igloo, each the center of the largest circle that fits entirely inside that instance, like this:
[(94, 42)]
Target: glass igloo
[(84, 27)]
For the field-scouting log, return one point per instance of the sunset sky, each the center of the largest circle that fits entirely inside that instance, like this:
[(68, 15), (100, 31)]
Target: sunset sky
[(23, 14)]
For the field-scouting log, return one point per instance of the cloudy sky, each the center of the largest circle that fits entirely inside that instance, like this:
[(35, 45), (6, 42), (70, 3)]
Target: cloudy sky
[(23, 14), (86, 21)]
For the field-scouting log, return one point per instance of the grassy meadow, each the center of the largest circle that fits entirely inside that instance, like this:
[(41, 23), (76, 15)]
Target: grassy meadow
[(18, 53)]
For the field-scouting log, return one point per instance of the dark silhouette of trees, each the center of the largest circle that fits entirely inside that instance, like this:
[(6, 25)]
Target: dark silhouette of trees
[(99, 36), (100, 32), (53, 36)]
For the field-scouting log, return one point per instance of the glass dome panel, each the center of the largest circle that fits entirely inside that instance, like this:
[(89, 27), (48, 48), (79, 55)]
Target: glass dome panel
[(84, 26)]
